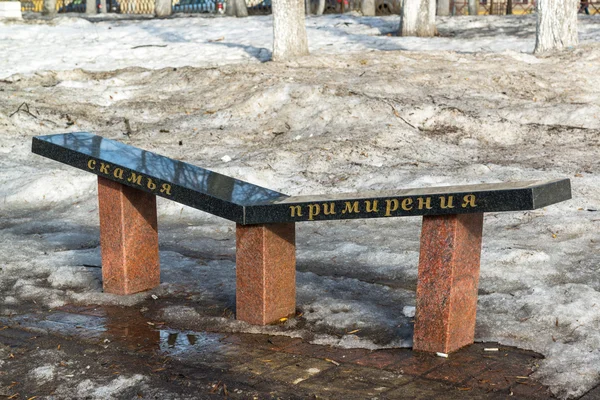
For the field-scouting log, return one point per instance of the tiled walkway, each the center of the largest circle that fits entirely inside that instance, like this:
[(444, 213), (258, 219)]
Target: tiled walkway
[(287, 367)]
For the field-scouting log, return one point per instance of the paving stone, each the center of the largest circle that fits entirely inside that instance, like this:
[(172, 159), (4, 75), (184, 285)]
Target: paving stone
[(354, 382), (383, 358), (269, 363), (302, 369), (417, 364), (460, 370), (530, 390), (269, 342), (421, 389), (326, 352)]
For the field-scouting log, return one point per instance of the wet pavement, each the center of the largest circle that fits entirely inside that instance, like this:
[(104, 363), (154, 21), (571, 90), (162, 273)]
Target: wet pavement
[(186, 364)]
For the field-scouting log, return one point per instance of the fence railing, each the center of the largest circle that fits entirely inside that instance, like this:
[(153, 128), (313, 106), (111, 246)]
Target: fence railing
[(257, 7)]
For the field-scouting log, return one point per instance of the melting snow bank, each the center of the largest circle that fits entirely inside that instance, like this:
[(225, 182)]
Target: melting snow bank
[(328, 123), (103, 44)]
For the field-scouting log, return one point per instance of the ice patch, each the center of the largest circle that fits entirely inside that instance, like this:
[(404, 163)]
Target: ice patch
[(43, 374)]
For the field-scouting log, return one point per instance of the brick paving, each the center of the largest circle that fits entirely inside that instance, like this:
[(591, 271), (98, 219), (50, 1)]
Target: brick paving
[(286, 367)]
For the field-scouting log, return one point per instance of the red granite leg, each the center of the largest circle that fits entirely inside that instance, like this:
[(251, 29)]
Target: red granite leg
[(128, 238), (447, 282), (266, 272)]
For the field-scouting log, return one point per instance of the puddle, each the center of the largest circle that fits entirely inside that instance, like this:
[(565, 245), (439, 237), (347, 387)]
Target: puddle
[(125, 326)]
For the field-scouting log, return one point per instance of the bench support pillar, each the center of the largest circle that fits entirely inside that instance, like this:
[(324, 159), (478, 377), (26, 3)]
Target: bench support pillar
[(265, 272), (447, 283), (128, 238)]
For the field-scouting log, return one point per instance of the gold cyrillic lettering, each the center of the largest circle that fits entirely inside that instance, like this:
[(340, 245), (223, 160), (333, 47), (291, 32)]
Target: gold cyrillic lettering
[(118, 173), (135, 178), (104, 168), (92, 164), (407, 204), (313, 209), (151, 185), (448, 203), (165, 188), (469, 200), (389, 208), (350, 208), (296, 211), (371, 206), (424, 203), (329, 210)]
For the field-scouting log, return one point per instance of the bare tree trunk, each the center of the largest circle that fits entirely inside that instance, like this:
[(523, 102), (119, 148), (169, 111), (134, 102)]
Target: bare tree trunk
[(49, 8), (556, 25), (241, 10), (307, 7), (162, 8), (367, 7), (509, 7), (230, 8), (320, 7), (443, 7), (289, 32), (418, 18), (474, 7), (90, 7)]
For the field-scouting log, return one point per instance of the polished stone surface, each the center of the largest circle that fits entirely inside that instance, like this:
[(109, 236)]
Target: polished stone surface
[(247, 204), (447, 282), (128, 238), (146, 171), (444, 200), (265, 272)]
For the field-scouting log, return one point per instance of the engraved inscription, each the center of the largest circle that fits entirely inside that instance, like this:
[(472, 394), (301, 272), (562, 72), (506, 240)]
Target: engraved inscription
[(382, 207), (132, 177)]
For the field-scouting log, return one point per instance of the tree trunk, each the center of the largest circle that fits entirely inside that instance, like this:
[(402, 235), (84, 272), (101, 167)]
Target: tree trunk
[(474, 7), (321, 7), (289, 32), (90, 7), (230, 8), (162, 8), (103, 9), (418, 18), (443, 7), (367, 7), (307, 7), (241, 10), (556, 25), (49, 8), (509, 7)]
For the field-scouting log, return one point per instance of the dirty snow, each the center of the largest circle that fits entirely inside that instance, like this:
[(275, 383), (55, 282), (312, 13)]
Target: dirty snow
[(366, 111)]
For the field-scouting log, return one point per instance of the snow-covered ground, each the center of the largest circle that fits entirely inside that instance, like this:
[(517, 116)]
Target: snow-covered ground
[(366, 111)]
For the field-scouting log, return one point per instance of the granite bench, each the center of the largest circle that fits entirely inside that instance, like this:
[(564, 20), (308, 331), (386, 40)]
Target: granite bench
[(129, 179)]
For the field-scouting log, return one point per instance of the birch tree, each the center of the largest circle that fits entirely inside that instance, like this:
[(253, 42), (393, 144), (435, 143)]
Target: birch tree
[(49, 8), (556, 25), (289, 32), (367, 7), (320, 7), (162, 8), (90, 7), (418, 18), (236, 8), (474, 7), (443, 7)]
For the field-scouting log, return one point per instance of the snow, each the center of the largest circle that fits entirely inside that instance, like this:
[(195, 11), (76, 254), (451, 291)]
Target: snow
[(366, 111)]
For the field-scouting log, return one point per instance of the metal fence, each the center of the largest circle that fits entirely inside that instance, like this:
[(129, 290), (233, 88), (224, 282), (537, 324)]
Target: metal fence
[(258, 7)]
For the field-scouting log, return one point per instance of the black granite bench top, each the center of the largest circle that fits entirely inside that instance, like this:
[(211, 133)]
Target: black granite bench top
[(246, 203)]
